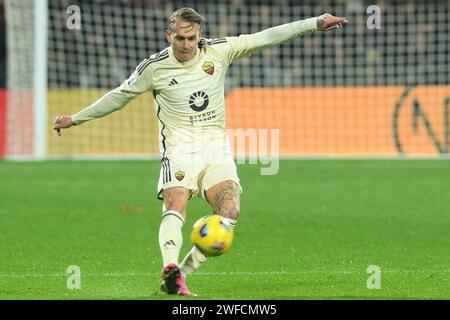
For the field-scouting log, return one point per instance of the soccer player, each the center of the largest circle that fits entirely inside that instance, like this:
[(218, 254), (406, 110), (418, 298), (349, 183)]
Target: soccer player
[(187, 80)]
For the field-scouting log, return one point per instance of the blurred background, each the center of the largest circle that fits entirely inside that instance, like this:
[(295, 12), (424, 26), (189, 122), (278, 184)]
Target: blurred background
[(364, 91)]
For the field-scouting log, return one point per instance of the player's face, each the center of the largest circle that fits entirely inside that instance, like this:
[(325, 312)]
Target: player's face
[(184, 38)]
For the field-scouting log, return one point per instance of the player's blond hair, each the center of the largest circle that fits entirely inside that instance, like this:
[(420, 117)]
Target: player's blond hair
[(185, 14)]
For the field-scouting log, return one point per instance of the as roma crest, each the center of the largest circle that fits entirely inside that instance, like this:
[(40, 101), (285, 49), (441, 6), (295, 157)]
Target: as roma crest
[(179, 175), (208, 67)]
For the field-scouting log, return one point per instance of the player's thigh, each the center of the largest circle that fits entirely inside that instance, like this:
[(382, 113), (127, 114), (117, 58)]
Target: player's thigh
[(176, 198), (217, 173), (224, 197), (178, 173)]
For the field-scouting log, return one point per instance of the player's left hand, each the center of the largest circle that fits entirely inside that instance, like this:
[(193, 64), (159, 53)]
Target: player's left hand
[(62, 122), (327, 22)]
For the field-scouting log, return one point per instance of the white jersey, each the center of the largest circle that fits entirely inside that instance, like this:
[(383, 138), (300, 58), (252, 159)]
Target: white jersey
[(189, 96)]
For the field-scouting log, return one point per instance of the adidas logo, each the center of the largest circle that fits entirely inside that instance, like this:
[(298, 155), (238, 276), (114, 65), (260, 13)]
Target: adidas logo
[(173, 82), (169, 243)]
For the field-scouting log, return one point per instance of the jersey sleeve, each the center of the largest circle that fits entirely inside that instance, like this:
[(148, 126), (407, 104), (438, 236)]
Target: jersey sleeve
[(139, 82), (247, 44)]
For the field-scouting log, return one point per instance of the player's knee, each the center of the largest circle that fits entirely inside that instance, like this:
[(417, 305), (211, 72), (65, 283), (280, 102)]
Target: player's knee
[(234, 213), (176, 200), (231, 213)]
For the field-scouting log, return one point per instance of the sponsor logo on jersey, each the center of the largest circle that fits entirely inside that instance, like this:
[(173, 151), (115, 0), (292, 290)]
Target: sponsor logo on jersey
[(198, 101), (208, 67), (179, 175)]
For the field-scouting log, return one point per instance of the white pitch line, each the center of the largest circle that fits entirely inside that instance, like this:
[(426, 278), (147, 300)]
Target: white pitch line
[(238, 273)]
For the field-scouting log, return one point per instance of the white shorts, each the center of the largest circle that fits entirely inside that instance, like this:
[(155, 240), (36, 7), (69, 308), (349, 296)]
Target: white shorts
[(197, 176)]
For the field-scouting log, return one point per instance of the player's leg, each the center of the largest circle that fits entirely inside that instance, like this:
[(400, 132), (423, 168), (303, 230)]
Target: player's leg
[(172, 220), (220, 187), (224, 198), (171, 238), (177, 183)]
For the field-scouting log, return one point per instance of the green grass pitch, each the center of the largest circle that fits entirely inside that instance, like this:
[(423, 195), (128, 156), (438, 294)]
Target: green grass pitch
[(309, 232)]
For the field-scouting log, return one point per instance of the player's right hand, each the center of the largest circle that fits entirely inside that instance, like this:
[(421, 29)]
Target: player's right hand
[(62, 122), (328, 22)]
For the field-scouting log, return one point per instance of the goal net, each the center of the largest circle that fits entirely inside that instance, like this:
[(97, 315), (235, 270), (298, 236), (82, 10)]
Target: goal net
[(378, 88)]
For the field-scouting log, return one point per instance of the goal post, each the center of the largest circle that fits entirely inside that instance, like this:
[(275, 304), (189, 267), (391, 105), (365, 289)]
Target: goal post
[(40, 79)]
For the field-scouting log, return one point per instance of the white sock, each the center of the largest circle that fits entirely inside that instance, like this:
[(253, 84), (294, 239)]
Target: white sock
[(170, 236), (195, 258)]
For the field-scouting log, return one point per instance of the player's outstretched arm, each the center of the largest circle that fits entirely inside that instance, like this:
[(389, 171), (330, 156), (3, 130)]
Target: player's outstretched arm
[(247, 44), (136, 84), (112, 101), (283, 33)]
